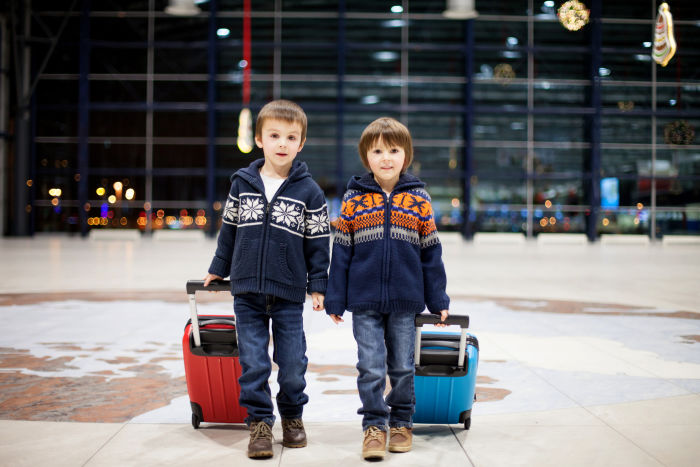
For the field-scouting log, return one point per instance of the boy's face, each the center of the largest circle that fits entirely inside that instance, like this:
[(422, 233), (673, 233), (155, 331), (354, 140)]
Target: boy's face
[(386, 163), (280, 141)]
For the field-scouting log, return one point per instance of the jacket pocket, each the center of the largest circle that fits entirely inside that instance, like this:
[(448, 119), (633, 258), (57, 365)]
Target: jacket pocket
[(283, 268), (245, 259)]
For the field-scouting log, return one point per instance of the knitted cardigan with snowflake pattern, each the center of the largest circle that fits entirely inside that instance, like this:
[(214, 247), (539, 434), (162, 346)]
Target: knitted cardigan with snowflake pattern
[(280, 247), (387, 255)]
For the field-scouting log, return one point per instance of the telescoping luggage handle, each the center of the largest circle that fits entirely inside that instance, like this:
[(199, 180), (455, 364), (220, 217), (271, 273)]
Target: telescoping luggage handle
[(461, 321), (194, 286)]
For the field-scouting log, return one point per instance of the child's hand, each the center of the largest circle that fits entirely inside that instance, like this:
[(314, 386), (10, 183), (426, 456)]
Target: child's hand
[(317, 299), (211, 277), (443, 317), (336, 319)]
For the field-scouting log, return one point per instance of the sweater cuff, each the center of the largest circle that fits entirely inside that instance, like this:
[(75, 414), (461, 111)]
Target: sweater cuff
[(220, 267), (317, 285), (334, 308), (436, 307)]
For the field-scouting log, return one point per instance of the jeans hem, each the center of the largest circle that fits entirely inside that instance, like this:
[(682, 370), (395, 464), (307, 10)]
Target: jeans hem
[(269, 421)]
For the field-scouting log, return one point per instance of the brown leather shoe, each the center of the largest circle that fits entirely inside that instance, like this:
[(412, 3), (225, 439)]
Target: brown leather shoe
[(293, 432), (260, 445), (374, 443), (400, 439)]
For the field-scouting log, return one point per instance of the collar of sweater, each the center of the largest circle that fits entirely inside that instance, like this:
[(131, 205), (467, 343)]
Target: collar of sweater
[(367, 182), (251, 174)]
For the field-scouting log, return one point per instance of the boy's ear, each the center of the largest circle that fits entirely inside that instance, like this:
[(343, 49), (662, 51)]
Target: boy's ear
[(301, 145), (258, 141)]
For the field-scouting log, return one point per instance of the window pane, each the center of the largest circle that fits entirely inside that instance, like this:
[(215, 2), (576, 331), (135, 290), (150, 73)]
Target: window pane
[(116, 155), (560, 160), (179, 156), (563, 65), (436, 62), (117, 91), (436, 93), (116, 60), (56, 123), (558, 192), (57, 156), (500, 220), (371, 92), (119, 29), (561, 128), (625, 161), (500, 94), (179, 188), (57, 92), (502, 161), (179, 61), (500, 127), (624, 221), (180, 91), (180, 124), (625, 129), (106, 123), (626, 97), (560, 95), (679, 222), (487, 191)]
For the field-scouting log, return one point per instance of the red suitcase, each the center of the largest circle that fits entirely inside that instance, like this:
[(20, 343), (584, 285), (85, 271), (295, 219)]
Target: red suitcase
[(212, 367)]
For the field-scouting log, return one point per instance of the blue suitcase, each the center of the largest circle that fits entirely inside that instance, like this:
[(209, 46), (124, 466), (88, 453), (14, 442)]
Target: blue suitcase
[(446, 365)]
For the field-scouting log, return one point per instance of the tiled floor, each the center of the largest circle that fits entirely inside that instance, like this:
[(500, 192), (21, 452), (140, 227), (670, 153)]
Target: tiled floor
[(589, 356)]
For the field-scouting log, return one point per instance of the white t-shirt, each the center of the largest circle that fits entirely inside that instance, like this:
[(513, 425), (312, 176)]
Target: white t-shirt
[(271, 185)]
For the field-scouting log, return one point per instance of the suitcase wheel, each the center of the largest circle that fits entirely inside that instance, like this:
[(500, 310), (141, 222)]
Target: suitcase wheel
[(467, 423), (195, 421)]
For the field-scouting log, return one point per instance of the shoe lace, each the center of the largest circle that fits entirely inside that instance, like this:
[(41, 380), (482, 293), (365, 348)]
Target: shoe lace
[(261, 430), (397, 431), (373, 433), (292, 424)]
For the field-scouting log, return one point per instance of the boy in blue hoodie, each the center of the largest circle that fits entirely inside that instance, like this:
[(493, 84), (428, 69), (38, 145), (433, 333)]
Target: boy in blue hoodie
[(274, 244), (386, 267)]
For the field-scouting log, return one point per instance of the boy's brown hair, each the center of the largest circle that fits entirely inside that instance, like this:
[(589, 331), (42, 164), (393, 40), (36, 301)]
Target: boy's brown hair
[(281, 109), (392, 133)]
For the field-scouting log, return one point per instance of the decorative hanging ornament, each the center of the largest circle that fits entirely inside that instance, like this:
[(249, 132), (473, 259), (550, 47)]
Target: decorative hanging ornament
[(573, 15), (245, 118), (664, 43), (245, 131), (679, 132), (503, 73)]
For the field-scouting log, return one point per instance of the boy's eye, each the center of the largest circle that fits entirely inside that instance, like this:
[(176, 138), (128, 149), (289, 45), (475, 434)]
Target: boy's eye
[(292, 138), (394, 150)]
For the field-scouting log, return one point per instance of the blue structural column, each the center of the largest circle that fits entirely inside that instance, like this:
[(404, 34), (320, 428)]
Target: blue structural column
[(83, 116), (595, 119), (468, 151), (211, 119), (340, 102), (22, 209)]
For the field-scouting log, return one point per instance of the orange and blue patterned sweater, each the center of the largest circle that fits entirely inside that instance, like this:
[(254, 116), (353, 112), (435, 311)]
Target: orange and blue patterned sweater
[(386, 251)]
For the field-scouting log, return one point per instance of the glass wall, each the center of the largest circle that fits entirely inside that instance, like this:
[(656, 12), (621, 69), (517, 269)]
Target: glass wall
[(519, 124)]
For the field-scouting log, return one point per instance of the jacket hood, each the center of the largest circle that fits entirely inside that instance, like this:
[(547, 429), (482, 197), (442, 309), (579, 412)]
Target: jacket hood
[(251, 173), (367, 182)]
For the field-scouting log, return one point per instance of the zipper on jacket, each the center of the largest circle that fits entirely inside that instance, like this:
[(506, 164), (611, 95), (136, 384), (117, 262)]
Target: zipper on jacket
[(263, 249), (266, 229), (387, 250)]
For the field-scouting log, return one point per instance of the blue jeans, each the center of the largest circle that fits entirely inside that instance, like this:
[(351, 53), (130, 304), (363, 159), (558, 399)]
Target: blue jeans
[(385, 345), (253, 315)]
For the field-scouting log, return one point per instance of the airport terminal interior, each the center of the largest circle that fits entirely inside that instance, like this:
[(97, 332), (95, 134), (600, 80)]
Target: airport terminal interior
[(557, 139)]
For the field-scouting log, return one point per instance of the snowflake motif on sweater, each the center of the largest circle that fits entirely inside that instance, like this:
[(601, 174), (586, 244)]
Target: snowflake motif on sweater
[(317, 223), (251, 209), (287, 214)]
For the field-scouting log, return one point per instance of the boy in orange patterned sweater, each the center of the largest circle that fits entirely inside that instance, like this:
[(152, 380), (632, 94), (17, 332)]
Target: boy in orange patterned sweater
[(385, 268)]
